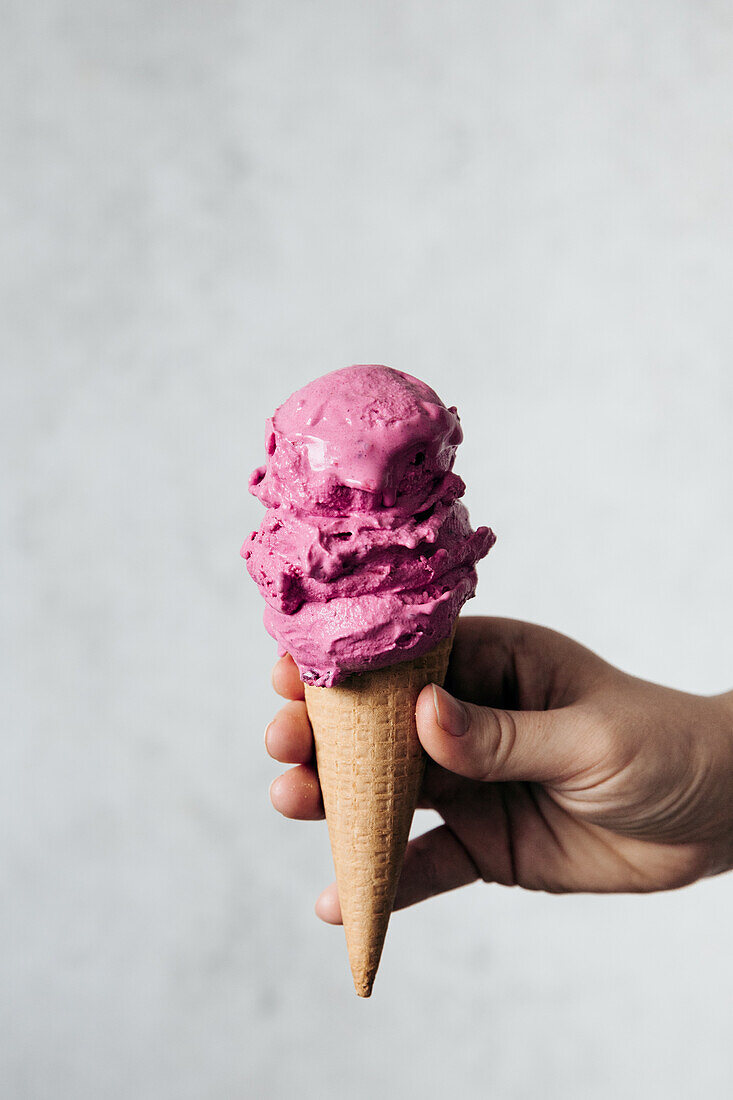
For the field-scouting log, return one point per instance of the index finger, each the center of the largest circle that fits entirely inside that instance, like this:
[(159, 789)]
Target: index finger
[(286, 679), (518, 666)]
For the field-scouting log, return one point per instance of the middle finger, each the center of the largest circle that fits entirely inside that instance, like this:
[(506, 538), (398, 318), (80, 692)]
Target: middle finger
[(288, 738)]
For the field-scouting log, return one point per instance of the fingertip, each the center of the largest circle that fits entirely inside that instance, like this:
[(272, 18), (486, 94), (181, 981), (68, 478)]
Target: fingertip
[(273, 792), (288, 737), (286, 680), (328, 907), (425, 706), (297, 794), (450, 713), (426, 716), (443, 725)]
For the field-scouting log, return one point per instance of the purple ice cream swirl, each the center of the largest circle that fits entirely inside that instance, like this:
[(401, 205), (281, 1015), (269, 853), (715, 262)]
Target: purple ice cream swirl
[(366, 554)]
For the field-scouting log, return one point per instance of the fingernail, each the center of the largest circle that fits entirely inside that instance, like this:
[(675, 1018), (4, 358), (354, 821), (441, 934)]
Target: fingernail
[(267, 730), (273, 787), (450, 714)]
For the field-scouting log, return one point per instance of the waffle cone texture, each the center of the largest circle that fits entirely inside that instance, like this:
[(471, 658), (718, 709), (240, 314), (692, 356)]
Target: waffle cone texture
[(370, 765)]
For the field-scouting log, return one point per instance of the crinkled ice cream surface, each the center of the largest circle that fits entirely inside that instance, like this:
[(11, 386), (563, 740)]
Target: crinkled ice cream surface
[(366, 554)]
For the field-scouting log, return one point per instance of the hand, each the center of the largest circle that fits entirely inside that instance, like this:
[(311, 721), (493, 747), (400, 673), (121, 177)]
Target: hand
[(555, 772)]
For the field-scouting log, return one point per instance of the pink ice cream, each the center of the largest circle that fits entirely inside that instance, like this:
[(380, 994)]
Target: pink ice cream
[(366, 554)]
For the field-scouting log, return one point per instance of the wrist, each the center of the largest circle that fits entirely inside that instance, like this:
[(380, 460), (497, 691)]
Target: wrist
[(726, 700)]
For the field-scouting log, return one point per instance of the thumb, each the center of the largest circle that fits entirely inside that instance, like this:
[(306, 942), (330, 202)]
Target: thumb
[(490, 744)]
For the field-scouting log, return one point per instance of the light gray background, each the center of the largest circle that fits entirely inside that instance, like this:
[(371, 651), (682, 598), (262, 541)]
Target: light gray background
[(530, 205)]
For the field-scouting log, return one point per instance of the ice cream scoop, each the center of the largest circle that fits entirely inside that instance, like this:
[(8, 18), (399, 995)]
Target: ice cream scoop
[(366, 554)]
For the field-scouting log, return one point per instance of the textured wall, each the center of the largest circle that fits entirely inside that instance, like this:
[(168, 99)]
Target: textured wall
[(529, 204)]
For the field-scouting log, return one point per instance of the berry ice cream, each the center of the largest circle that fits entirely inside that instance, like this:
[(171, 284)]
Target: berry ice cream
[(366, 554)]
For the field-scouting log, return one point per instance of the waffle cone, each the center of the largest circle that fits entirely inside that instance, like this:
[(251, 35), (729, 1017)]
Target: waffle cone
[(370, 765)]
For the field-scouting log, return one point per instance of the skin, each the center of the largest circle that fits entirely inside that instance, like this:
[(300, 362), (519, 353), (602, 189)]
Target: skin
[(555, 771)]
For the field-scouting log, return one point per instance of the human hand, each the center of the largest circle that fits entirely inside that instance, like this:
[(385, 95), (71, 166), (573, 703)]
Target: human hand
[(556, 772)]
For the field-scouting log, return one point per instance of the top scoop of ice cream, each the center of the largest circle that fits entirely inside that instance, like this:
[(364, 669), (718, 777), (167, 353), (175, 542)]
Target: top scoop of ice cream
[(366, 554), (357, 440)]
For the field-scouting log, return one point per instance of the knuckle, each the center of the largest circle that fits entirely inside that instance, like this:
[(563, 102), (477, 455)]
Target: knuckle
[(498, 739)]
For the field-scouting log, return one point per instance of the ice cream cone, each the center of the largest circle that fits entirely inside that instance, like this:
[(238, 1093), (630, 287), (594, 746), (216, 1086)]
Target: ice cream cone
[(370, 765)]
